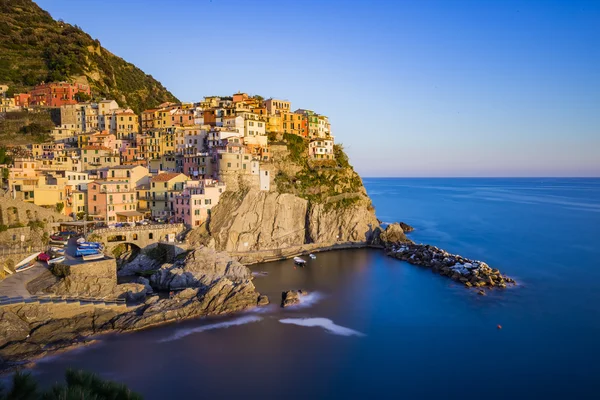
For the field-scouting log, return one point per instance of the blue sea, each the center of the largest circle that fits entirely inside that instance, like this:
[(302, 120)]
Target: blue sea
[(375, 327)]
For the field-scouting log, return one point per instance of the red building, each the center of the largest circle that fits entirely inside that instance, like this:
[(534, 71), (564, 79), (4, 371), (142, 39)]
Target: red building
[(57, 94), (22, 99)]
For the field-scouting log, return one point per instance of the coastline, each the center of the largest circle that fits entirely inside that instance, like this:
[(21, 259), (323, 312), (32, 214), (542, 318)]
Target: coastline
[(181, 306)]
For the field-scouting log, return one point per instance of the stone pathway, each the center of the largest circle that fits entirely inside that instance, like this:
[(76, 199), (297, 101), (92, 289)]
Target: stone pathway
[(15, 285)]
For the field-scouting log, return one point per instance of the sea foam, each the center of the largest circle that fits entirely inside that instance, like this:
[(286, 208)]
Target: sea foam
[(219, 325), (324, 323)]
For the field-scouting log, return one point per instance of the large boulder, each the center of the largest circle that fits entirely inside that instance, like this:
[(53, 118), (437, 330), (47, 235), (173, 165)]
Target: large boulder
[(292, 297), (393, 234), (200, 268)]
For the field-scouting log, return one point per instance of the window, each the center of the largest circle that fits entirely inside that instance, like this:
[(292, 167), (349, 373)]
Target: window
[(150, 235), (207, 201)]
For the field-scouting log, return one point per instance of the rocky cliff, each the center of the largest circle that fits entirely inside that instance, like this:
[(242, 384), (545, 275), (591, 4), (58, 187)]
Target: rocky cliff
[(309, 202)]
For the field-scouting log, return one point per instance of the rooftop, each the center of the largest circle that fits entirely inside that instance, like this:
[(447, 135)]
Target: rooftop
[(166, 176)]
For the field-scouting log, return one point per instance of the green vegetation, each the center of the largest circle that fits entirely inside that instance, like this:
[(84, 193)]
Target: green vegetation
[(78, 385), (59, 207), (25, 127), (35, 48), (36, 224), (329, 182)]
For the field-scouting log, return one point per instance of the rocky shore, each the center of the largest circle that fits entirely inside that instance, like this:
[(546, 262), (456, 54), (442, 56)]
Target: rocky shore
[(471, 273)]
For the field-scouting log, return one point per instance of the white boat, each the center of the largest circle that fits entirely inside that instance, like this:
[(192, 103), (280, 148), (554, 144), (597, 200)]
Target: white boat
[(27, 263), (80, 240), (312, 256), (56, 260), (57, 250), (299, 261), (90, 257)]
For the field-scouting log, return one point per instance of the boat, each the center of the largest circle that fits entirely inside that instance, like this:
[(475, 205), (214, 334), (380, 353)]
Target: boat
[(27, 263), (80, 240), (57, 250), (299, 261), (58, 240), (89, 245), (85, 252), (312, 256), (56, 260), (95, 256)]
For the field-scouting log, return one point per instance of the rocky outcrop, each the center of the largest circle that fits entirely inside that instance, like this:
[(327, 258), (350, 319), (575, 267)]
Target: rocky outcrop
[(200, 268), (292, 297), (393, 234), (406, 227), (471, 273), (355, 223), (223, 296), (259, 220), (141, 263)]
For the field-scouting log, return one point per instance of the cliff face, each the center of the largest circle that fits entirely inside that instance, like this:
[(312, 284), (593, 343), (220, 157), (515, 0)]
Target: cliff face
[(321, 203)]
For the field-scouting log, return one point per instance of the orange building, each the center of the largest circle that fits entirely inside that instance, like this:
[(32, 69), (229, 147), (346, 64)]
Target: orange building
[(57, 94)]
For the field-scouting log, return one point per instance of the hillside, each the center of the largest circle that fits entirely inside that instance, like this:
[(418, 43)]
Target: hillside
[(34, 48)]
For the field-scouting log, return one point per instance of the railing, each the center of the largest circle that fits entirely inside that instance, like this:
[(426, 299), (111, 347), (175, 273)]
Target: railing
[(138, 228), (49, 298)]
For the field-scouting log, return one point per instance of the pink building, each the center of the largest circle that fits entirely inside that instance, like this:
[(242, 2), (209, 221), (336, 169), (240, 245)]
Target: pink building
[(193, 205), (113, 201)]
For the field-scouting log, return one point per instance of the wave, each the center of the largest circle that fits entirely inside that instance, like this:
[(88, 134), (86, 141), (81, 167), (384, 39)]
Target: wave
[(308, 300), (324, 323), (219, 325)]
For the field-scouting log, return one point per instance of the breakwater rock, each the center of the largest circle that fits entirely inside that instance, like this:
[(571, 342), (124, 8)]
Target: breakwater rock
[(471, 273), (292, 297)]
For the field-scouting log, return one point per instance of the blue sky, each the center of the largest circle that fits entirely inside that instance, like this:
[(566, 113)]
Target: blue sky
[(412, 87)]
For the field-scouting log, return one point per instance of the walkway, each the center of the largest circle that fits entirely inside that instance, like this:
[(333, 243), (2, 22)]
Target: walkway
[(15, 285)]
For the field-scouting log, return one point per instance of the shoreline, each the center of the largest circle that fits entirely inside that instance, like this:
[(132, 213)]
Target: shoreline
[(247, 258)]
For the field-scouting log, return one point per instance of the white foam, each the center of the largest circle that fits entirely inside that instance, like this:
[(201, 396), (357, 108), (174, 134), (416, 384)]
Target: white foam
[(324, 323), (308, 300), (219, 325)]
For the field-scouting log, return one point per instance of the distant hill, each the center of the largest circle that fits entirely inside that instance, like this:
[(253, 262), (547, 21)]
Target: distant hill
[(34, 48)]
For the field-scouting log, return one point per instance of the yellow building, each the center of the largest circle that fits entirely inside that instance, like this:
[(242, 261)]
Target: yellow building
[(163, 189)]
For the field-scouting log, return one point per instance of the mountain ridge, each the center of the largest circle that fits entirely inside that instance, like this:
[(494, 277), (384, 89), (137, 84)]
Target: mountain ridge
[(34, 47)]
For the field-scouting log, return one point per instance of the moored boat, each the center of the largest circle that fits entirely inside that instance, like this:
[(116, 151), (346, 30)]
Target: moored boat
[(57, 250), (90, 257), (80, 240), (27, 263), (312, 256), (84, 252), (299, 261), (56, 260), (89, 245)]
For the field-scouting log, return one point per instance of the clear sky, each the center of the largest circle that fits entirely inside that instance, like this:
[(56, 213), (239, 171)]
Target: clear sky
[(411, 87)]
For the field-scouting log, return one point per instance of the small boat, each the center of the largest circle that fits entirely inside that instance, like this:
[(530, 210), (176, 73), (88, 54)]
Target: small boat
[(58, 240), (85, 252), (57, 250), (312, 256), (299, 261), (27, 263), (56, 260), (95, 256), (80, 240), (89, 245)]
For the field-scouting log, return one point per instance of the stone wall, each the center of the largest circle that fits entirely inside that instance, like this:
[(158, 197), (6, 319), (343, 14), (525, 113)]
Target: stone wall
[(13, 235), (14, 211)]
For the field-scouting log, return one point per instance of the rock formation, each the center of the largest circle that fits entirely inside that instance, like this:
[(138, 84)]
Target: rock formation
[(292, 297)]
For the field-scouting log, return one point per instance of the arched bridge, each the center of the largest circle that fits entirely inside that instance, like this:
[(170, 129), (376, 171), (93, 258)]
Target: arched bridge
[(141, 236)]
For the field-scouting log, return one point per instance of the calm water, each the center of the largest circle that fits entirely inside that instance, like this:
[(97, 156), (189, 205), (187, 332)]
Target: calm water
[(385, 328)]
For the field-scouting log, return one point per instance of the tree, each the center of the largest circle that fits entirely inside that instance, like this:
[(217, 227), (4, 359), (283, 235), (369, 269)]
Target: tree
[(60, 207), (79, 385), (82, 96)]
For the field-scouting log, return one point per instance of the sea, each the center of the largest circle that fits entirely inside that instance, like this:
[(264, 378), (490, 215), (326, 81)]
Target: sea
[(376, 327)]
